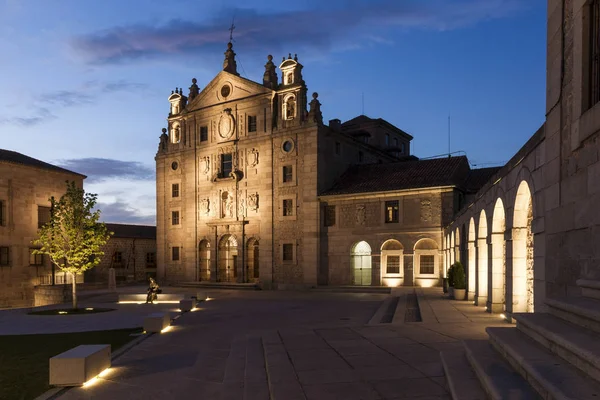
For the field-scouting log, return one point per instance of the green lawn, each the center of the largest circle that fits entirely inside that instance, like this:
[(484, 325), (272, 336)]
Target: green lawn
[(24, 359)]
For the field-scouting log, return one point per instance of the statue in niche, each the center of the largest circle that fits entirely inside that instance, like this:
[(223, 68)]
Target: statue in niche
[(205, 165), (227, 207), (204, 206), (289, 108), (290, 78), (241, 207), (361, 215), (176, 134), (253, 202), (253, 158)]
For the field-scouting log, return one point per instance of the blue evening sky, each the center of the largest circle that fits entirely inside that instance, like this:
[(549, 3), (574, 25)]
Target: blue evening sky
[(85, 83)]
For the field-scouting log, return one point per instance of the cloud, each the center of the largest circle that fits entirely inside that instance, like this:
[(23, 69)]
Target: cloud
[(38, 116), (121, 212), (102, 169), (311, 29)]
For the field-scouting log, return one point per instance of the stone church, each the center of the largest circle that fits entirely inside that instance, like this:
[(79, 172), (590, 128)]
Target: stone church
[(253, 187)]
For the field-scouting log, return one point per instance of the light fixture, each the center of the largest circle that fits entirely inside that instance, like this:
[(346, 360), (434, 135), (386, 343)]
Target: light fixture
[(167, 329), (63, 312), (89, 309)]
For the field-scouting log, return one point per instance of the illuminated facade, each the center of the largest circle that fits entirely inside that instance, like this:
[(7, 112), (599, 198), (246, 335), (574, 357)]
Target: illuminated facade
[(253, 187)]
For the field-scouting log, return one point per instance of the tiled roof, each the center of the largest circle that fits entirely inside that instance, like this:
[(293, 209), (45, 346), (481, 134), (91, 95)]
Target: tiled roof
[(402, 175), (479, 177), (132, 231), (18, 158)]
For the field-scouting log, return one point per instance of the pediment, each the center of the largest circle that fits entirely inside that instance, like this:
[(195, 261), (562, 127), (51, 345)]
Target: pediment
[(226, 87)]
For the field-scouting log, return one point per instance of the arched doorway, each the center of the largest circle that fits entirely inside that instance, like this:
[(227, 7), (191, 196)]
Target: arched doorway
[(228, 253), (426, 262), (523, 264), (482, 260), (252, 263), (497, 301), (204, 260), (361, 264), (392, 264), (472, 261)]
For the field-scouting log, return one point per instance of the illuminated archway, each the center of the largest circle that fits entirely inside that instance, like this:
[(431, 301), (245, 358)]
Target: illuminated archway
[(204, 260), (523, 262), (426, 262), (228, 254), (497, 300), (482, 260), (252, 261), (472, 261), (361, 264)]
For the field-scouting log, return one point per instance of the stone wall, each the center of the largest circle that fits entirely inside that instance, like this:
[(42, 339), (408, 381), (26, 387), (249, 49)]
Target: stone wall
[(47, 295), (133, 266)]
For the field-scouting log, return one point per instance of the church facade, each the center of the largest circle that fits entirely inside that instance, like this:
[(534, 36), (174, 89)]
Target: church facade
[(253, 187)]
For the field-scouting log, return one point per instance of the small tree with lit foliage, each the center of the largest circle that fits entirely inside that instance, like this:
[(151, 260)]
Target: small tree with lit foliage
[(73, 238)]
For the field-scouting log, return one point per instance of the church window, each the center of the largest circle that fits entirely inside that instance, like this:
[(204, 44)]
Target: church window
[(288, 146), (43, 216), (426, 264), (338, 148), (204, 133), (174, 217), (288, 207), (35, 259), (2, 212), (252, 123), (226, 165), (4, 253), (287, 173), (329, 215), (361, 156), (288, 252), (175, 190), (393, 265), (174, 165), (175, 253), (594, 52), (225, 91), (387, 139), (391, 211), (289, 108)]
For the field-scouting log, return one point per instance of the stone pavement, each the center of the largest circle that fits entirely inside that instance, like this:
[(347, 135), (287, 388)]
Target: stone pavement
[(293, 345)]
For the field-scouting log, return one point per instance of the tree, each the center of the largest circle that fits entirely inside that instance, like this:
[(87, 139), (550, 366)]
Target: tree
[(73, 238)]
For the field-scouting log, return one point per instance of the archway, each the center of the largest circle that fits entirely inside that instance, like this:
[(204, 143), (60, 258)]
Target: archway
[(252, 261), (472, 261), (228, 253), (204, 260), (361, 264), (482, 260), (392, 264), (426, 261), (523, 262), (497, 301)]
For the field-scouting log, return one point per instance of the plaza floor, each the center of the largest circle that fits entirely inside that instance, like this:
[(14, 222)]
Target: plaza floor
[(295, 345)]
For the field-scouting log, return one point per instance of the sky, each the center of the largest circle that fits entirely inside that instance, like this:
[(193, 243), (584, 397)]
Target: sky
[(85, 83)]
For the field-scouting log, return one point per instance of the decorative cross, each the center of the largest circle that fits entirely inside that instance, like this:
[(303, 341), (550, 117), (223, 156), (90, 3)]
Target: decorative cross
[(231, 31)]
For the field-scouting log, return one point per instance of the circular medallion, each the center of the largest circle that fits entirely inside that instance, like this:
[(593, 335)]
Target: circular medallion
[(288, 146), (225, 91), (174, 165), (226, 126)]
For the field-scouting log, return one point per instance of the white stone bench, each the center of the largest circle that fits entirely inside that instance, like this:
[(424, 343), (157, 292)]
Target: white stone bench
[(200, 296), (141, 298), (80, 364), (187, 304), (156, 322)]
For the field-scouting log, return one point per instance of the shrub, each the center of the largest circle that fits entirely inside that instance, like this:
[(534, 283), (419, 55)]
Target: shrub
[(459, 277), (451, 276)]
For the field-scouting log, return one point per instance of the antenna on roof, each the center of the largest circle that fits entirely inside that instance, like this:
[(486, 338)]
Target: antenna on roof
[(448, 135), (363, 103)]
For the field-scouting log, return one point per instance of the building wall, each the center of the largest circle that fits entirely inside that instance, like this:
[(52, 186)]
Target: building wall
[(133, 266), (23, 189)]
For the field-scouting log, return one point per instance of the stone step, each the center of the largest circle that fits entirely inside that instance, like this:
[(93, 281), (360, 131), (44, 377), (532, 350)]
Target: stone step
[(551, 376), (498, 379), (581, 311), (576, 345), (221, 285), (462, 381), (353, 289), (256, 386), (589, 288)]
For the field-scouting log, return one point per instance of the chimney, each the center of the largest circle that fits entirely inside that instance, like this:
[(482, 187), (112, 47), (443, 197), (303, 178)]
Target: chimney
[(335, 124)]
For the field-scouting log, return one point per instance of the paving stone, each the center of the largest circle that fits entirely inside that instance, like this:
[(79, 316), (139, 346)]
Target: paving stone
[(374, 360), (385, 373), (345, 391), (318, 377), (402, 388)]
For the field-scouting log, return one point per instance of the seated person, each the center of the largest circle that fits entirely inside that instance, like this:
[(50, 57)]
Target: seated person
[(153, 291)]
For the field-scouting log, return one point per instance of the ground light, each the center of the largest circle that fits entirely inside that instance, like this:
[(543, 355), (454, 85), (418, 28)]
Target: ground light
[(95, 379), (156, 302), (167, 329)]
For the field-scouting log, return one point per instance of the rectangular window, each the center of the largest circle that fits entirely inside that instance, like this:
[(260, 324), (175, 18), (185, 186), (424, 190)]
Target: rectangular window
[(396, 142), (43, 216), (287, 173), (4, 253), (175, 190), (329, 215), (288, 207), (35, 259), (251, 123), (427, 264), (175, 254), (117, 258), (288, 252), (338, 148), (174, 217), (150, 260), (361, 156), (391, 211), (204, 133), (2, 212), (402, 148), (387, 139), (393, 265), (594, 52), (226, 165)]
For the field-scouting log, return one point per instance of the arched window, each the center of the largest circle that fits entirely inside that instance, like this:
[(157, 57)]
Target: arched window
[(289, 107)]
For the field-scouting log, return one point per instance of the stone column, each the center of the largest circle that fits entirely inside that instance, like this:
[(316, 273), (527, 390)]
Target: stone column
[(508, 262), (482, 272), (495, 303), (112, 281), (471, 271)]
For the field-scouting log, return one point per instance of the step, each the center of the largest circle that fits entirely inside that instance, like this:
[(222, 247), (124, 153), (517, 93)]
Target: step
[(589, 288), (353, 289), (576, 345), (220, 285), (581, 311), (551, 376), (462, 381), (498, 379), (256, 386)]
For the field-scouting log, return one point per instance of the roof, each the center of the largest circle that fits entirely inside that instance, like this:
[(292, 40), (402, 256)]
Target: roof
[(479, 177), (132, 231), (402, 175), (18, 158), (349, 126)]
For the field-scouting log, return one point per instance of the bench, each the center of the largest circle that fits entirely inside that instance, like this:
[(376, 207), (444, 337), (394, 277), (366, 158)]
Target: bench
[(156, 322), (80, 364), (200, 296), (141, 298), (187, 304)]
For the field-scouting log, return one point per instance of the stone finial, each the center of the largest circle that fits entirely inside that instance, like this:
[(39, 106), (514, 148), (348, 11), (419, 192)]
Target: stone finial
[(194, 90), (270, 75), (229, 64), (164, 139), (295, 57), (314, 113), (289, 56)]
